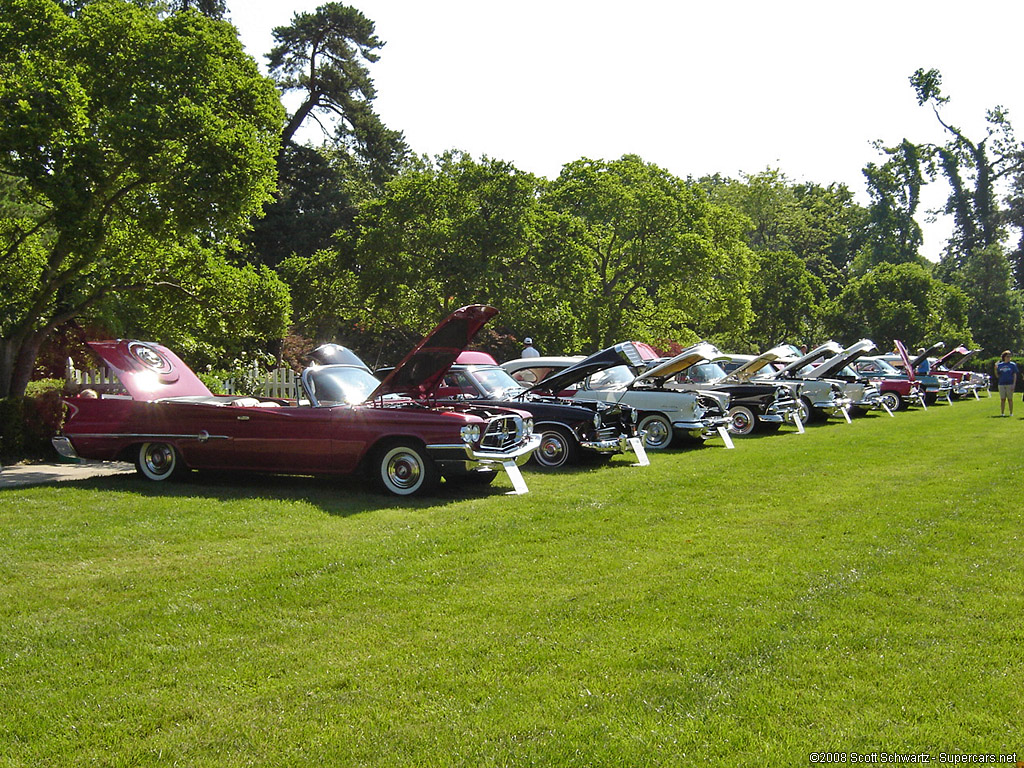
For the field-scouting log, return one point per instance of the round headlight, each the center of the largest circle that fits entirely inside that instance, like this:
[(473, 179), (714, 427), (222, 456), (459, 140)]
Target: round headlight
[(597, 421), (470, 433), (527, 427)]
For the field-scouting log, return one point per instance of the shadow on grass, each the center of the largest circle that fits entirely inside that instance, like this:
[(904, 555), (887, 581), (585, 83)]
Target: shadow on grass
[(341, 496)]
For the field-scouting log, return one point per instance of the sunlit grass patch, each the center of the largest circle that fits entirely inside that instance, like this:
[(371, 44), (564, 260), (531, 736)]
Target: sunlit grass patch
[(857, 587)]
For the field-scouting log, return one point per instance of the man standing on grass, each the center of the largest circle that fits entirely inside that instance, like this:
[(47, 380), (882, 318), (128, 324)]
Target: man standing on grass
[(1007, 371)]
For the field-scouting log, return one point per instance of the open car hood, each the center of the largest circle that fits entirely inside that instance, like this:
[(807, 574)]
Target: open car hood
[(751, 368), (841, 359), (792, 367), (624, 353), (423, 369), (690, 356), (149, 371), (905, 357), (920, 358), (955, 358)]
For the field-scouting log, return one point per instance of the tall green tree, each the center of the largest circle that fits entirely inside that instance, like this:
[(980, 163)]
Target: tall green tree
[(894, 236), (660, 262), (321, 57), (786, 298), (820, 224), (995, 312), (442, 234), (973, 168), (976, 170), (137, 148)]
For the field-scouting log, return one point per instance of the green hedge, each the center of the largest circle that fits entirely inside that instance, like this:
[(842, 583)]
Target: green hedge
[(27, 423)]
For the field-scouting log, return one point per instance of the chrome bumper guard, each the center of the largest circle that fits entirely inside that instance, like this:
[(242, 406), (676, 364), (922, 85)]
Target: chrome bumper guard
[(835, 406), (707, 427), (612, 445)]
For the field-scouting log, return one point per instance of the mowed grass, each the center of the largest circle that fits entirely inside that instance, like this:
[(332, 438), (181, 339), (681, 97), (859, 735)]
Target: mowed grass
[(857, 588)]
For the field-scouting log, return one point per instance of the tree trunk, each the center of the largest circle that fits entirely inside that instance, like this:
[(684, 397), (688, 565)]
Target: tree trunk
[(8, 354), (17, 359)]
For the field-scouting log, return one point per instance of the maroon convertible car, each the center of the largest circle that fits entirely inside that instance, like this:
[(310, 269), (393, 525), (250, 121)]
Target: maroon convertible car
[(347, 421)]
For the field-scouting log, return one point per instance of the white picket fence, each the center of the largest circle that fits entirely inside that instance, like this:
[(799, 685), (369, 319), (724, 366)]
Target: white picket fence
[(281, 382), (94, 379)]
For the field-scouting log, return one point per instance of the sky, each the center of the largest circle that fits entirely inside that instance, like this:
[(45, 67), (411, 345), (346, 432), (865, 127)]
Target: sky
[(696, 88)]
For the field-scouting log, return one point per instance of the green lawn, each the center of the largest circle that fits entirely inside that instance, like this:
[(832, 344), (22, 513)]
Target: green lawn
[(857, 588)]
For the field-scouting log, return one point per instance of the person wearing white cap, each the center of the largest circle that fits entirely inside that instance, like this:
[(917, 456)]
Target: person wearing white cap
[(529, 350)]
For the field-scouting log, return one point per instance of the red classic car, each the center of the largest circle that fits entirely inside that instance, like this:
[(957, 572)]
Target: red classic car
[(348, 421), (898, 388)]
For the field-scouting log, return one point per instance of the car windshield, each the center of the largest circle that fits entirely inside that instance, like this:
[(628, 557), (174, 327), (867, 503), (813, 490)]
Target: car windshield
[(339, 384), (611, 378), (704, 372), (883, 366), (496, 382)]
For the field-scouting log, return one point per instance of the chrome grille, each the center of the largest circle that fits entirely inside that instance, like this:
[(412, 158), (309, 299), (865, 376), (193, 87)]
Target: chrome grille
[(503, 432)]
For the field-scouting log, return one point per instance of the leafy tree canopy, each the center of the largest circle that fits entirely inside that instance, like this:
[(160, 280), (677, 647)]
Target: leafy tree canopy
[(900, 301), (132, 144), (659, 261), (820, 224)]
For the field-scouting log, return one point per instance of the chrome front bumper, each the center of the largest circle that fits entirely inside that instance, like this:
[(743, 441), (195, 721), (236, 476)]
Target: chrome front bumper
[(476, 458), (833, 407), (704, 428)]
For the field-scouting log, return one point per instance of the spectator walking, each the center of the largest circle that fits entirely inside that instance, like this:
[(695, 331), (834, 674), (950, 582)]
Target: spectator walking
[(529, 350), (1007, 372)]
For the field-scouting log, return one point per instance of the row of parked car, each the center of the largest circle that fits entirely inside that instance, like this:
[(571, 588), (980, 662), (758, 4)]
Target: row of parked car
[(445, 413)]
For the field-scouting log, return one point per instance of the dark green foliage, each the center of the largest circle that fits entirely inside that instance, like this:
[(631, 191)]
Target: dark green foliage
[(996, 315), (27, 423), (313, 202)]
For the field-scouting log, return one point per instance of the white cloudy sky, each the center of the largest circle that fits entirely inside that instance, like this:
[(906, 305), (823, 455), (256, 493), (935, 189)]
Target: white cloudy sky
[(697, 88)]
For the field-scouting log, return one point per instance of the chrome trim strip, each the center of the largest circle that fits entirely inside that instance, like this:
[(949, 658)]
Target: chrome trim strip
[(201, 437)]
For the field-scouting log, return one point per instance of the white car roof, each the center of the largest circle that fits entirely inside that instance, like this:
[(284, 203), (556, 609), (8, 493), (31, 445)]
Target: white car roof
[(540, 362)]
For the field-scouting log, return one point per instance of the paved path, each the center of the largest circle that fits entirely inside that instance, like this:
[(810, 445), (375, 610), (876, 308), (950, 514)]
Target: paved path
[(23, 474)]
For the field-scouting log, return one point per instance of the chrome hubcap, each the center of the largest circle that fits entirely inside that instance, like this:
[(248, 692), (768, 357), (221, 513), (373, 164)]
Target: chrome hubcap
[(159, 459), (552, 449), (657, 433), (404, 471)]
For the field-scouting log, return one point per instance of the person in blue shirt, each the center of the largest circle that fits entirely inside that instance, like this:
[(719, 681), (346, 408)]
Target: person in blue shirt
[(925, 366), (1007, 372)]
